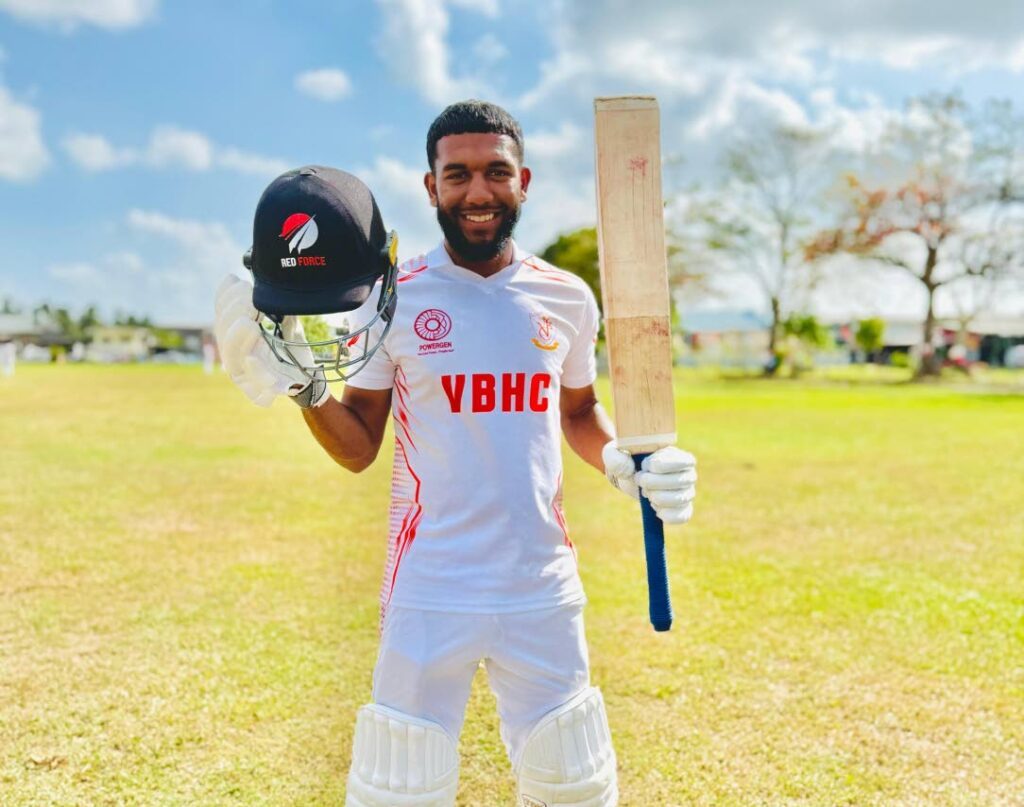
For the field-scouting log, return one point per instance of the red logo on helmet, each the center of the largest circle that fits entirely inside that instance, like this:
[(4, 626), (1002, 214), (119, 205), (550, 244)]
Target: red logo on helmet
[(301, 231), (432, 324)]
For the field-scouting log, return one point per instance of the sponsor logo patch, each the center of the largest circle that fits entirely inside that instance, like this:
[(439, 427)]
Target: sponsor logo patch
[(432, 326), (301, 232)]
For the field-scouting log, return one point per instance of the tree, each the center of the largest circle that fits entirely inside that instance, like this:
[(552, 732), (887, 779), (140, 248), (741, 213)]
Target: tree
[(799, 335), (951, 219), (316, 328), (88, 320), (759, 221), (870, 335), (73, 329), (132, 321), (577, 252)]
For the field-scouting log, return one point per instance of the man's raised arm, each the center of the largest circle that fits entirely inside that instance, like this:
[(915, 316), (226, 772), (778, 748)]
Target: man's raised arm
[(351, 430)]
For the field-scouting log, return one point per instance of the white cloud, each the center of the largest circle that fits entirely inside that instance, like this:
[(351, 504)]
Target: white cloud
[(181, 285), (168, 147), (79, 273), (853, 129), (23, 155), (742, 102), (327, 84), (489, 50), (953, 53), (488, 8), (414, 46), (69, 14), (244, 162), (567, 139), (186, 232), (684, 48), (95, 153), (127, 262)]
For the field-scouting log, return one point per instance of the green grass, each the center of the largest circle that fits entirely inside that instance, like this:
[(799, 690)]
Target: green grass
[(188, 599)]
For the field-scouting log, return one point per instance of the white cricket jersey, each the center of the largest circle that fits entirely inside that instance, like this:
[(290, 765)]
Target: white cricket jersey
[(476, 365)]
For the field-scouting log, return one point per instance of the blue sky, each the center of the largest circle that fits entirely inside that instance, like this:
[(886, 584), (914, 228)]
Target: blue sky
[(137, 135)]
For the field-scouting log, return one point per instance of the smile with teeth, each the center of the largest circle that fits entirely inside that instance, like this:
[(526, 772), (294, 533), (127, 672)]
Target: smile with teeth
[(480, 218)]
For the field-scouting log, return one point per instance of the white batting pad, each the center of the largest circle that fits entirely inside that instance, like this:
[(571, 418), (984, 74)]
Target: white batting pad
[(401, 761), (568, 760)]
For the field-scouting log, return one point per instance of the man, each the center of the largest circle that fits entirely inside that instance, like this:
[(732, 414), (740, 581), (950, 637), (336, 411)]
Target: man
[(489, 360)]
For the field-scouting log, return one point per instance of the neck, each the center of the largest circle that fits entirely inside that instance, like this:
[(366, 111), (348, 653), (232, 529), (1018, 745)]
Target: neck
[(482, 268)]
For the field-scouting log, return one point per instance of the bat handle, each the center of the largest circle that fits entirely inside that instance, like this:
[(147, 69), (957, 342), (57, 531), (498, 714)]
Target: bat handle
[(657, 572)]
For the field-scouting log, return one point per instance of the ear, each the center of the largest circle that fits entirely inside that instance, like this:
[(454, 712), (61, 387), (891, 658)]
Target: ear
[(524, 182), (430, 183)]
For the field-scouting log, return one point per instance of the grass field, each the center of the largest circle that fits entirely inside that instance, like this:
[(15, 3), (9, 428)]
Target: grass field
[(188, 600)]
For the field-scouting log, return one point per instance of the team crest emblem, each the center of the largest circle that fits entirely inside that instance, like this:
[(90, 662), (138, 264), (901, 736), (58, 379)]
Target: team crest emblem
[(544, 331)]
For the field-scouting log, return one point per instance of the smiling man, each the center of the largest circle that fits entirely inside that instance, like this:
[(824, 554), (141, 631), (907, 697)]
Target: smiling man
[(485, 362), (490, 361)]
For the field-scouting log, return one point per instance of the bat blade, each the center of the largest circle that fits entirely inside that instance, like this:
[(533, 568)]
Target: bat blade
[(634, 289)]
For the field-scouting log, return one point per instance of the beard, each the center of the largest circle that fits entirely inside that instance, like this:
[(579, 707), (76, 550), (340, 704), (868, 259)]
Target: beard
[(478, 251)]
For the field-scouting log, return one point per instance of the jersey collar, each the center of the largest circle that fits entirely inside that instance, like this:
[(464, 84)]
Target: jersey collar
[(439, 259)]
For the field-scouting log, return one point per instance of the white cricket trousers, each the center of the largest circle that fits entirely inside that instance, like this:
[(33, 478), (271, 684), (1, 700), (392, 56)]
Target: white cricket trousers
[(535, 661)]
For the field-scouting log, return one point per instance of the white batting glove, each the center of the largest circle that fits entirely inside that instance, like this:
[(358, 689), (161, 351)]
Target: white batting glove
[(248, 359), (232, 304), (668, 479)]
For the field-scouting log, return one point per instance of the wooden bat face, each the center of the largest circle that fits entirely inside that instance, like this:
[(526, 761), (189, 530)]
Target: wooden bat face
[(634, 274)]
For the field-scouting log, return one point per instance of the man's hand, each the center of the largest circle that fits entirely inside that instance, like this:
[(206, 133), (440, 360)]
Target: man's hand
[(248, 359), (668, 478)]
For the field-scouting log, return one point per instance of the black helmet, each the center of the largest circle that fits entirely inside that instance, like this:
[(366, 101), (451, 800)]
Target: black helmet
[(319, 247)]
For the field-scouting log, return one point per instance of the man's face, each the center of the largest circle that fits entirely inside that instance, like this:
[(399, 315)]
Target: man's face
[(477, 187)]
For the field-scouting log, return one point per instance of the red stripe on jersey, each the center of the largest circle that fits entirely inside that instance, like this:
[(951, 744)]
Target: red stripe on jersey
[(550, 272), (402, 540), (556, 507), (402, 415), (403, 421), (410, 274), (402, 385), (405, 541)]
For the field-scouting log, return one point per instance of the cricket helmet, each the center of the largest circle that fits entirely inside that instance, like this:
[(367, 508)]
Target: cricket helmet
[(319, 247)]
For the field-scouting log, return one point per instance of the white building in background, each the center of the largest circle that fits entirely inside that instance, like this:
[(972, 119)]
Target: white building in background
[(119, 343), (723, 338), (34, 336)]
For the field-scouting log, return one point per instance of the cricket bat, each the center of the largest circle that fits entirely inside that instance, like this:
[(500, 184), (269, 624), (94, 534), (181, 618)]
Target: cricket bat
[(634, 289)]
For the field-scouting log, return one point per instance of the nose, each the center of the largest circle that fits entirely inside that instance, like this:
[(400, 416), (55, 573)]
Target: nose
[(478, 192)]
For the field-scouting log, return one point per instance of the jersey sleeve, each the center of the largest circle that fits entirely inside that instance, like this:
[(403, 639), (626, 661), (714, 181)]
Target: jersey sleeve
[(378, 372), (580, 366)]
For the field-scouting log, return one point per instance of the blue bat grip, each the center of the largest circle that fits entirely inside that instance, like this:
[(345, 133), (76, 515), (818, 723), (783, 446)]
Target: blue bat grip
[(657, 573)]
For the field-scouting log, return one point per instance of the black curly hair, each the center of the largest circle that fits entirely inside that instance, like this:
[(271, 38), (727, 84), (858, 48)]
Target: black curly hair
[(472, 117)]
